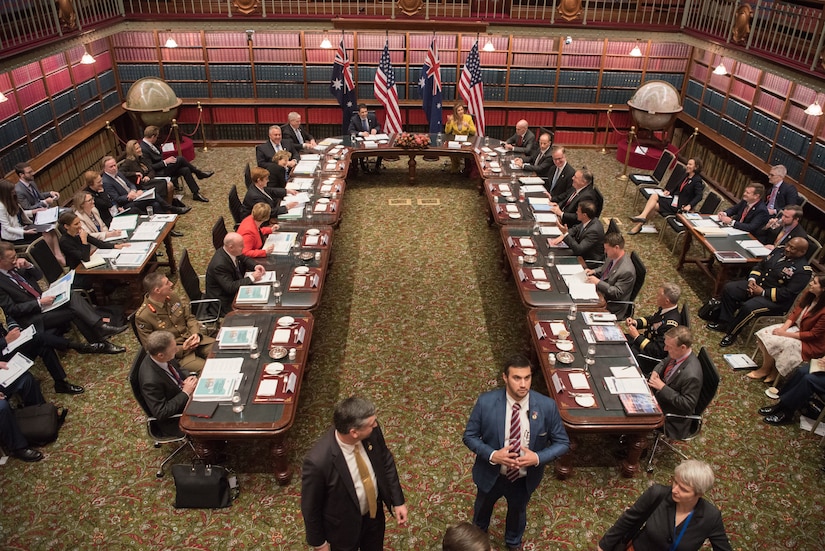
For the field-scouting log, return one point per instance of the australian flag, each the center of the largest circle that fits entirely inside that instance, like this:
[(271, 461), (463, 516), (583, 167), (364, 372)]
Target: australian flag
[(430, 83), (342, 86)]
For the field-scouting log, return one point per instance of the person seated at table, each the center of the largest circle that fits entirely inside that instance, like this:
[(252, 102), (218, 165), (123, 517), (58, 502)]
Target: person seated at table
[(29, 196), (582, 187), (364, 123), (676, 380), (132, 166), (103, 203), (800, 338), (265, 152), (226, 271), (615, 278), (258, 192), (77, 244), (278, 169), (683, 198), (672, 518), (84, 207), (22, 300), (771, 288), (171, 165), (28, 389), (796, 393), (585, 239), (542, 162), (523, 142), (297, 135), (14, 221), (163, 309), (164, 386), (560, 179), (646, 336), (459, 123), (253, 231), (750, 214), (778, 231), (126, 195)]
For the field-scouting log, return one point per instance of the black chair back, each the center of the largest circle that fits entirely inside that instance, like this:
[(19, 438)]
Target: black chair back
[(247, 176), (676, 177), (218, 233), (134, 381), (641, 274), (599, 201), (189, 277), (684, 315), (235, 206), (711, 204), (710, 382), (45, 260), (613, 226), (664, 163)]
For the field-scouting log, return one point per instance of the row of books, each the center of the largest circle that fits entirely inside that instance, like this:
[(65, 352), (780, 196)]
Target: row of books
[(537, 45), (183, 39), (44, 140), (670, 65), (533, 76), (17, 154), (226, 40), (131, 54), (621, 79), (588, 61), (70, 124), (182, 72), (676, 79), (134, 40), (818, 157), (757, 145), (277, 40), (746, 72), (793, 140), (796, 116), (578, 78), (615, 96), (575, 95), (230, 72), (532, 94), (763, 124), (182, 54), (791, 161), (53, 63), (38, 116), (136, 71), (294, 55), (775, 83), (742, 90), (730, 130), (534, 60), (699, 72), (770, 103), (624, 62), (237, 55), (58, 81)]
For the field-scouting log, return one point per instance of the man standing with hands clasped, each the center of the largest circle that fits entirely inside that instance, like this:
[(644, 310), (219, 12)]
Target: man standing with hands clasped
[(347, 476), (514, 432)]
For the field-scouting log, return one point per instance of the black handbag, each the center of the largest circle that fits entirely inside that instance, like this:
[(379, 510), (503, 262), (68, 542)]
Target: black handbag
[(40, 424), (711, 310), (199, 486)]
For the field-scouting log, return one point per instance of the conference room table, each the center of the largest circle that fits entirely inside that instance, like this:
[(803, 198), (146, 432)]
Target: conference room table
[(131, 275), (512, 202), (263, 417), (725, 256), (301, 272), (606, 416), (535, 271), (326, 191)]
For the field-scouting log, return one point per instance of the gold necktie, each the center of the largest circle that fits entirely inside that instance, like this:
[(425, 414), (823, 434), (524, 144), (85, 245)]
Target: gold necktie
[(366, 480)]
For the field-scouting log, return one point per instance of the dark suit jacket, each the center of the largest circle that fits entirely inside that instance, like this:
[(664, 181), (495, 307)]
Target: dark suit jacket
[(680, 394), (290, 137), (265, 151), (757, 217), (116, 192), (652, 329), (786, 195), (162, 394), (587, 241), (76, 252), (271, 196), (223, 279), (152, 159), (329, 503), (660, 528), (277, 175), (528, 147), (691, 194), (102, 203), (618, 284), (485, 433), (356, 126), (569, 207), (25, 196), (563, 184), (541, 167), (17, 303), (769, 236)]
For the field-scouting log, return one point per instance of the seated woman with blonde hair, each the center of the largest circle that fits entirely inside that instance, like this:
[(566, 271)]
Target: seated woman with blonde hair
[(253, 231), (459, 124), (84, 207)]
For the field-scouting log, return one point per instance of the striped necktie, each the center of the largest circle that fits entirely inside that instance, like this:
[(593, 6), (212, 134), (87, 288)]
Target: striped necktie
[(515, 439)]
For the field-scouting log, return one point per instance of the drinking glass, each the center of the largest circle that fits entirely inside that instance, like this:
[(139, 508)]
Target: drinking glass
[(237, 405), (571, 315), (551, 258), (536, 229), (277, 291), (150, 212), (591, 355), (352, 138)]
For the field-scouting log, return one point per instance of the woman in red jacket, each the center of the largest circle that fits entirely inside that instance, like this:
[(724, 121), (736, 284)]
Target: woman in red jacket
[(253, 234), (800, 338)]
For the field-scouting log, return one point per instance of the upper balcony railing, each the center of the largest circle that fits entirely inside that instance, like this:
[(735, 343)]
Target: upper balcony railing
[(791, 33)]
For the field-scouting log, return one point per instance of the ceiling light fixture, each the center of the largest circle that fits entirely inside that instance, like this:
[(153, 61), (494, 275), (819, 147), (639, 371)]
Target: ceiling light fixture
[(87, 59), (325, 43), (720, 69), (3, 98), (636, 51), (814, 109), (489, 46), (170, 43)]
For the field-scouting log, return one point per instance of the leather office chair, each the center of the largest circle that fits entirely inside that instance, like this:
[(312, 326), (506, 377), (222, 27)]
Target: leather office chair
[(710, 383), (666, 161), (641, 274), (675, 178), (41, 255), (599, 201), (152, 426), (235, 206), (814, 248), (613, 226), (218, 233), (206, 310), (709, 206), (247, 176)]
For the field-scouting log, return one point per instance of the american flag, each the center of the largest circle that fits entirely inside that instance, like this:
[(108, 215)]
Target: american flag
[(386, 93), (430, 83), (342, 86), (471, 89)]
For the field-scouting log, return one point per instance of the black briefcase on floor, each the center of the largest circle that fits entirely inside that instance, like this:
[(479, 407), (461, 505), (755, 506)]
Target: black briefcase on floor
[(199, 486)]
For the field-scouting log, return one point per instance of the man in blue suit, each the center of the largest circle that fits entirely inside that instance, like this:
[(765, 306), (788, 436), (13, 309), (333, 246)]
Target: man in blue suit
[(514, 432)]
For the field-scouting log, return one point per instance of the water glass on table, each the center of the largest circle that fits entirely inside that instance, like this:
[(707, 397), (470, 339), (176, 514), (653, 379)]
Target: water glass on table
[(150, 212)]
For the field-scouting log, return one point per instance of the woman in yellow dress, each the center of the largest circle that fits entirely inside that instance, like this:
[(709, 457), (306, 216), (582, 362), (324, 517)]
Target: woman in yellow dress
[(459, 124)]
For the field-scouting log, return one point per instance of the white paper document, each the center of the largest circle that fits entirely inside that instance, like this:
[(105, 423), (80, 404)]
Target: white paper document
[(582, 291), (25, 336), (547, 218), (131, 260), (48, 216), (126, 222), (627, 385), (533, 188), (61, 290), (531, 180), (578, 381), (300, 184), (281, 336), (16, 366), (282, 241), (550, 231)]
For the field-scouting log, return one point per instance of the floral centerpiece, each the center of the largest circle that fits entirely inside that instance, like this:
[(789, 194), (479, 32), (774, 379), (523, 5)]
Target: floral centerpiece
[(412, 141)]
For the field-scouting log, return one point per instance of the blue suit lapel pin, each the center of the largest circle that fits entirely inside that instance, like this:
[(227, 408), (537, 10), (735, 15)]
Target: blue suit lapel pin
[(535, 415)]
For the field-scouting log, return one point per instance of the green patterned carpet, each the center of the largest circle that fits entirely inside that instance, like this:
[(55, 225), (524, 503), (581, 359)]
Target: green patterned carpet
[(416, 316)]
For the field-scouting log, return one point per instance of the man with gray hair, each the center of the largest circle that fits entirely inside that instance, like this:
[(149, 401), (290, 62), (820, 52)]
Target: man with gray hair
[(646, 336), (226, 271), (523, 142), (346, 477), (297, 135), (780, 194)]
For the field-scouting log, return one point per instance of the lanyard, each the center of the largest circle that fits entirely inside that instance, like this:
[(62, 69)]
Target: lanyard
[(682, 533)]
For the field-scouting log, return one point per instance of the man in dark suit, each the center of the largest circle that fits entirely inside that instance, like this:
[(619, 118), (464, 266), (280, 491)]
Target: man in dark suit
[(28, 389), (585, 239), (560, 179), (542, 162), (514, 433), (676, 381), (20, 298), (126, 195), (28, 195), (750, 214), (272, 196), (616, 277), (646, 336), (103, 203), (225, 273), (346, 477), (771, 288), (523, 142), (164, 387), (780, 194), (174, 167), (582, 187), (363, 124), (778, 231), (266, 151), (297, 135)]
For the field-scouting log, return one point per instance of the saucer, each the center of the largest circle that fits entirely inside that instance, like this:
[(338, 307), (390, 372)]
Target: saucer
[(286, 321), (530, 258), (323, 200), (306, 255), (278, 352), (313, 231), (565, 357), (585, 400), (565, 345), (529, 251), (515, 215), (495, 169), (274, 368), (505, 193), (543, 285)]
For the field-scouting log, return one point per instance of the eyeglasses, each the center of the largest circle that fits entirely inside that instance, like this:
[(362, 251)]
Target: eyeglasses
[(89, 200)]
